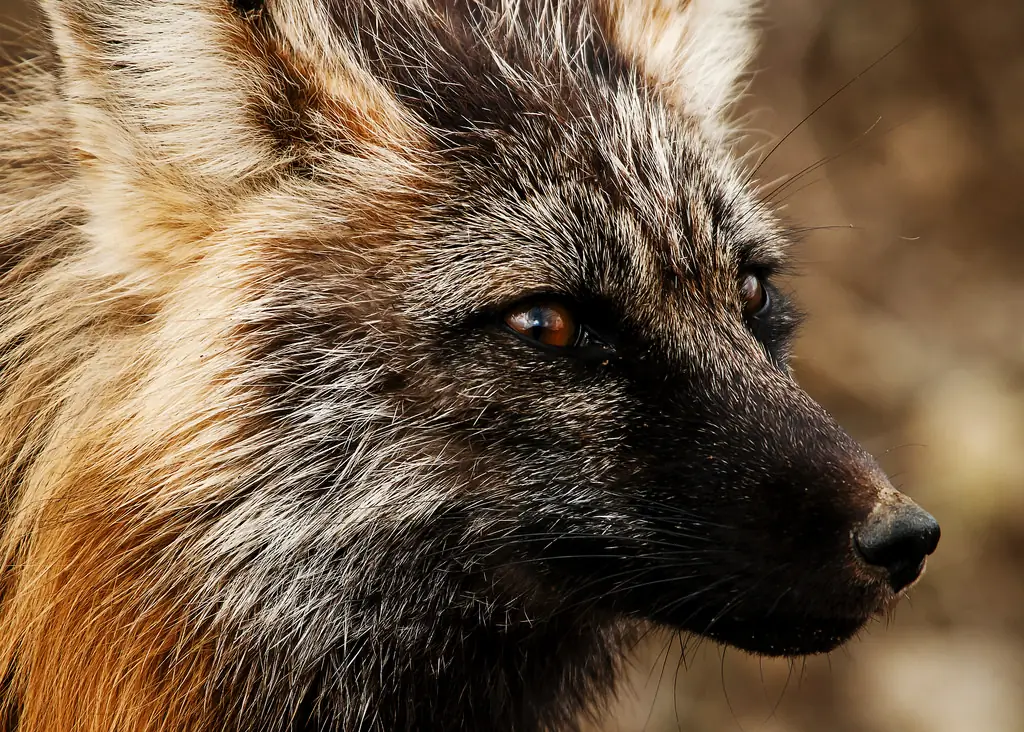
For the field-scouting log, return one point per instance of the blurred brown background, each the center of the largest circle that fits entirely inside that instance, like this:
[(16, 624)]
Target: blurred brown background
[(915, 288)]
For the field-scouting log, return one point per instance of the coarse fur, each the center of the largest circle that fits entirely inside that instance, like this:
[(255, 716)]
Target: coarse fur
[(270, 459)]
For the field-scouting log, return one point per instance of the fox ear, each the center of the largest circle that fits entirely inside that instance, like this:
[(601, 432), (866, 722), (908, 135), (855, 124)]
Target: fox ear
[(178, 107), (696, 51), (215, 88), (167, 82)]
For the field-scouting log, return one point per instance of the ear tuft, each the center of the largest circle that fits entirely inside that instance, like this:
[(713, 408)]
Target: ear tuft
[(696, 51)]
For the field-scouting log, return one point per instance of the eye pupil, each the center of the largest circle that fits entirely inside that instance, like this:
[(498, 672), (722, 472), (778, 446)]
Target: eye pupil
[(548, 323), (753, 295)]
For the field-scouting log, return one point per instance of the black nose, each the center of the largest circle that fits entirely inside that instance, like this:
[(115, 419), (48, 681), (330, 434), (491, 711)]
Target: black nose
[(899, 539)]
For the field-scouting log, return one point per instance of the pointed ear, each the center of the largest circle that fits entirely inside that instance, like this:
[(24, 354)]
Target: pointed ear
[(228, 88), (166, 82), (179, 107), (695, 50)]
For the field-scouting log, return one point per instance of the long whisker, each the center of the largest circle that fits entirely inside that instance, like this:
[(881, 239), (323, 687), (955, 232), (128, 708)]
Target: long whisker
[(821, 105)]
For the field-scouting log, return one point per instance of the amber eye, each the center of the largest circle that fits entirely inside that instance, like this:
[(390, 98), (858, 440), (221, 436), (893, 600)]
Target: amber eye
[(548, 323), (753, 295)]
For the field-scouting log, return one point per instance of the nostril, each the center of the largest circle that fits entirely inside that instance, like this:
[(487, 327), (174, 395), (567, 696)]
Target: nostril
[(899, 540)]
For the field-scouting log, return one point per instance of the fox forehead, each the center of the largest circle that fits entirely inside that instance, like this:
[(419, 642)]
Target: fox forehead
[(610, 202), (558, 143)]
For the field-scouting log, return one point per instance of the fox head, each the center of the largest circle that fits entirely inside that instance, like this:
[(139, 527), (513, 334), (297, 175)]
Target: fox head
[(392, 358)]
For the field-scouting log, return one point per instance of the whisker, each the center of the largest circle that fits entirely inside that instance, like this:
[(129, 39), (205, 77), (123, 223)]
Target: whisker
[(821, 105)]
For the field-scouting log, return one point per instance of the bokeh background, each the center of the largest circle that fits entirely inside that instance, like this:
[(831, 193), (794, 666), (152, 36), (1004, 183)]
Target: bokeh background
[(909, 189), (914, 285)]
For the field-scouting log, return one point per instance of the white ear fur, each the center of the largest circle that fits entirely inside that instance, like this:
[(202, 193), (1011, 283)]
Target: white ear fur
[(696, 51), (189, 85), (157, 80)]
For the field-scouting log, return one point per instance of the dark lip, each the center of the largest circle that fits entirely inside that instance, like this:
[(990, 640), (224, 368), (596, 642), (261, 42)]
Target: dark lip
[(836, 603), (786, 635), (784, 632)]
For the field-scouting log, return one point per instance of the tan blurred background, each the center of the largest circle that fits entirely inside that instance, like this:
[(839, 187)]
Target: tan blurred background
[(915, 287)]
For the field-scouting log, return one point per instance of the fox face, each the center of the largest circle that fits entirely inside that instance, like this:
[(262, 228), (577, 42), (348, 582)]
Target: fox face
[(400, 358), (618, 365)]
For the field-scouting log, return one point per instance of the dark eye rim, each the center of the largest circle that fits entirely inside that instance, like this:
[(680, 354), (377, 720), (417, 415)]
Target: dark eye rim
[(588, 342)]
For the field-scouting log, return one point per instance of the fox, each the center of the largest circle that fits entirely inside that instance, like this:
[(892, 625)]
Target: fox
[(381, 365)]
